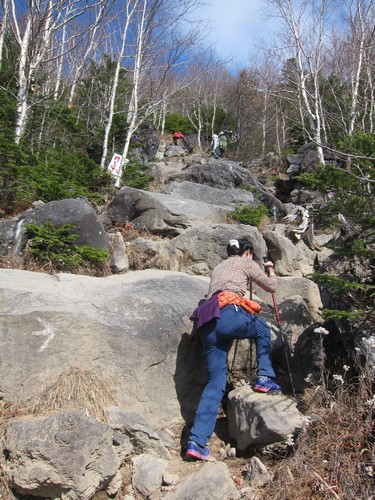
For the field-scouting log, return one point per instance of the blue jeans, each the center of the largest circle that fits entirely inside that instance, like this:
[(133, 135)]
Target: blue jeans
[(217, 336)]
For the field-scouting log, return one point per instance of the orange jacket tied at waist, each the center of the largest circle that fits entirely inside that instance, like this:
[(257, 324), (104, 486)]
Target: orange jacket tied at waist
[(226, 298)]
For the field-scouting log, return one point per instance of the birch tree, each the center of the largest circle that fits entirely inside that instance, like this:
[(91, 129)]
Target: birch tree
[(33, 30), (4, 9), (361, 16), (128, 14), (306, 28)]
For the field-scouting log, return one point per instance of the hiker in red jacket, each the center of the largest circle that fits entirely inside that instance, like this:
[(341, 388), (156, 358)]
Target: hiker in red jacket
[(177, 137)]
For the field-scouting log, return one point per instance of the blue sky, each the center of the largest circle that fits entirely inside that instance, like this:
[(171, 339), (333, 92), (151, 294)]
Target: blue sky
[(238, 27)]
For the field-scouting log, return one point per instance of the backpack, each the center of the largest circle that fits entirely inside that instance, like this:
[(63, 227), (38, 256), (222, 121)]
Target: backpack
[(223, 142)]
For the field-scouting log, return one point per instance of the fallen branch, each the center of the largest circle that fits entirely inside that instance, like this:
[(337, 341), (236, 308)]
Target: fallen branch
[(326, 485)]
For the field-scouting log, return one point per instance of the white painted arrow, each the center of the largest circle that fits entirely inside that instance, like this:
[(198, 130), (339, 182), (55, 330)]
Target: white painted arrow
[(46, 332)]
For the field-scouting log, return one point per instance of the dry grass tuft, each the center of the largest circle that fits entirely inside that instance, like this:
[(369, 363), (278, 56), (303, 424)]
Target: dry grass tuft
[(160, 261), (75, 389), (130, 232), (334, 457), (138, 259), (186, 260)]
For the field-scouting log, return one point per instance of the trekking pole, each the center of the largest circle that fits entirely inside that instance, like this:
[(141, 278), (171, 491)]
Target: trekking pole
[(283, 341)]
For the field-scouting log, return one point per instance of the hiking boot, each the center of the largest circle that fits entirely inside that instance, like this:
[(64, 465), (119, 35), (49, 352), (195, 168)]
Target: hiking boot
[(196, 452), (266, 384)]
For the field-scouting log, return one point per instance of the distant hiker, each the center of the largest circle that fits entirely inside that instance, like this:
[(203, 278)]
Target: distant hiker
[(215, 146), (227, 315), (177, 137), (186, 145), (223, 141)]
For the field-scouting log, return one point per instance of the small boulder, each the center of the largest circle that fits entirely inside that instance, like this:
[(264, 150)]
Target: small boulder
[(66, 455), (148, 473), (260, 419), (212, 482)]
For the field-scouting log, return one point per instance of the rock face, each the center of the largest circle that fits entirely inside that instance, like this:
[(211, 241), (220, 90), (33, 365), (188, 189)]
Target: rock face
[(161, 213), (78, 212), (128, 327), (67, 455), (217, 174), (214, 196), (208, 243)]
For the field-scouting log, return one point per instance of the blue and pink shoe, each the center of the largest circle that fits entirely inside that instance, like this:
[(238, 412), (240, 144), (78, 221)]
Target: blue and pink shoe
[(266, 384), (196, 452)]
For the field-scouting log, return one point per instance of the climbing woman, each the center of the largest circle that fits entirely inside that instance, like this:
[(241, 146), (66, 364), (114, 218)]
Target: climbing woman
[(225, 316)]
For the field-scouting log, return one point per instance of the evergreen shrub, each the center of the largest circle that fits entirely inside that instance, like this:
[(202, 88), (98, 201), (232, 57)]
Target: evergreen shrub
[(136, 175), (248, 215), (55, 246), (175, 121)]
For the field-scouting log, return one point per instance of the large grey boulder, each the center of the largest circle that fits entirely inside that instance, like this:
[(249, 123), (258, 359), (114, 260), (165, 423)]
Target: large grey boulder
[(9, 239), (212, 482), (228, 197), (145, 142), (306, 160), (161, 213), (68, 455), (119, 260), (290, 259), (196, 251), (261, 419), (290, 288), (157, 254), (223, 174), (309, 358), (174, 151), (208, 243), (132, 328), (78, 212), (161, 170)]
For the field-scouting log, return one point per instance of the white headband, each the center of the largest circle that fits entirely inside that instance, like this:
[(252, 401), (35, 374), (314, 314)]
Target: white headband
[(234, 243)]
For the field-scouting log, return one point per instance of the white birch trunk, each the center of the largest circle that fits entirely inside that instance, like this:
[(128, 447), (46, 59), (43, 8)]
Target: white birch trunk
[(3, 28), (371, 104), (163, 114), (264, 123), (357, 76), (310, 103), (129, 14), (60, 63), (23, 82), (133, 106)]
